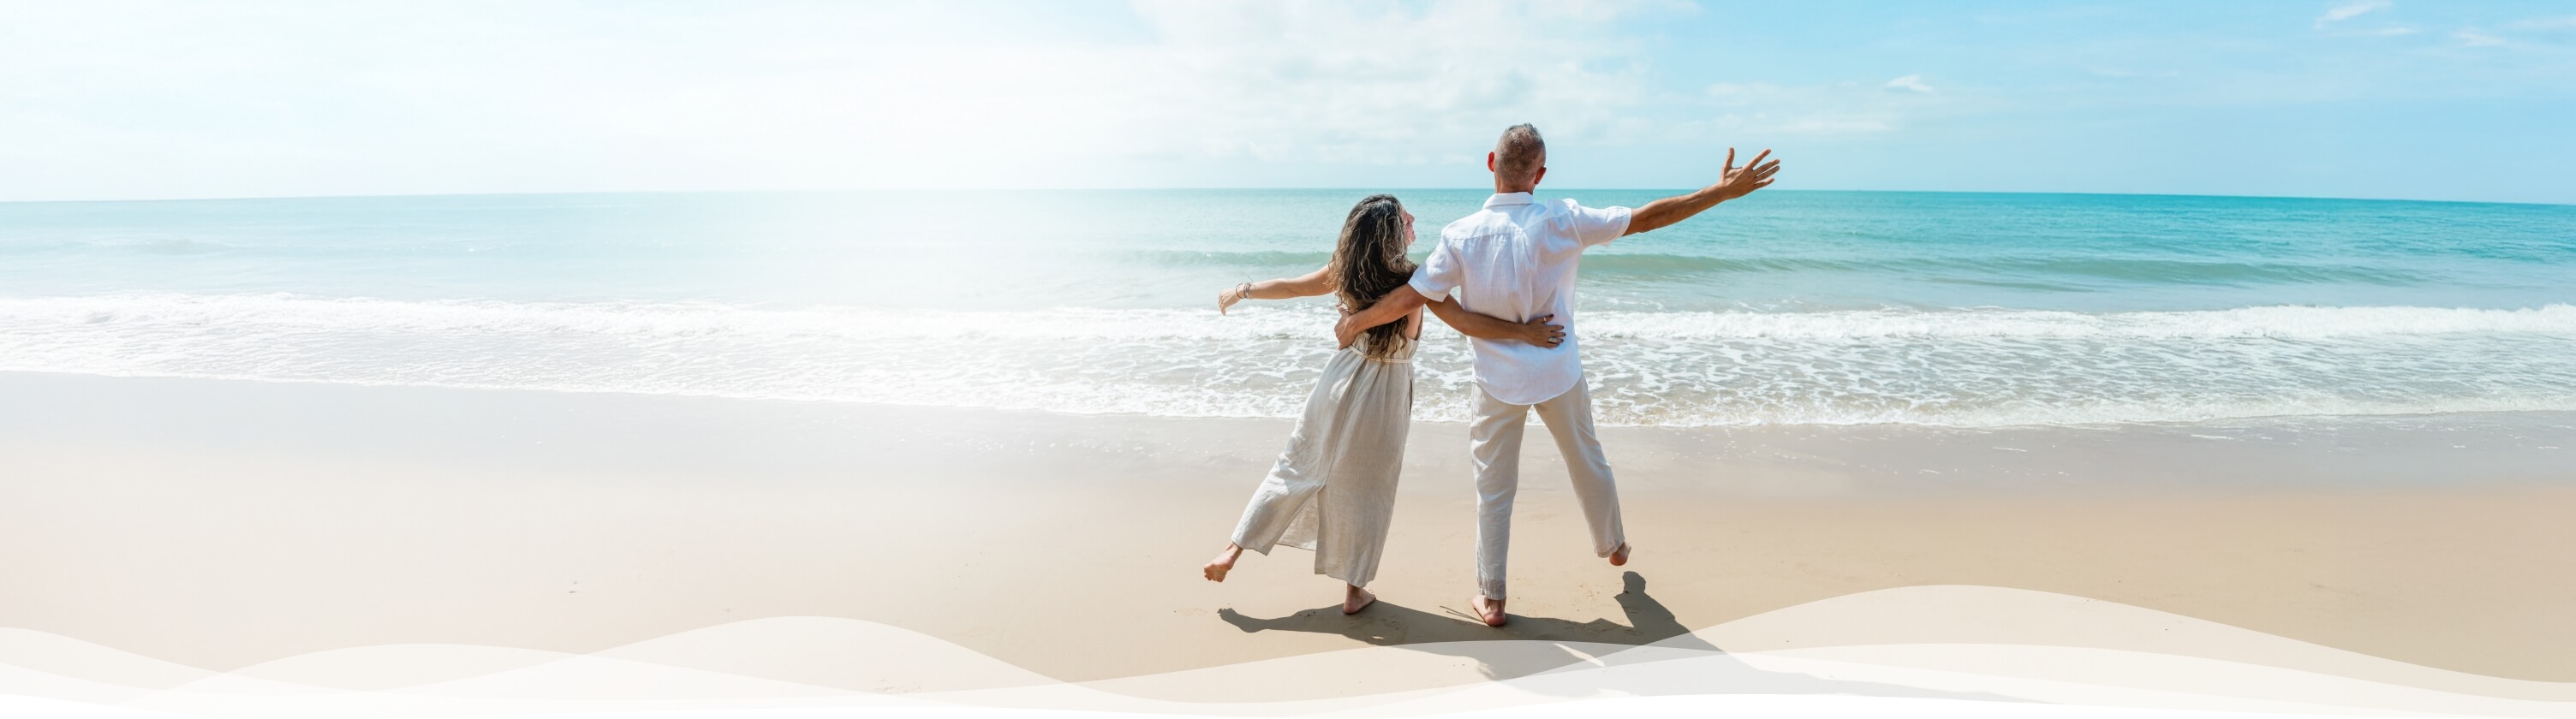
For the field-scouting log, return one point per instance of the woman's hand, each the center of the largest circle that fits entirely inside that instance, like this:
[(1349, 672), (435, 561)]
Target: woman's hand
[(1344, 331), (1227, 297), (1538, 332)]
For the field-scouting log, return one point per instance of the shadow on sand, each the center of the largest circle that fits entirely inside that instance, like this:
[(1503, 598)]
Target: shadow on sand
[(1548, 645)]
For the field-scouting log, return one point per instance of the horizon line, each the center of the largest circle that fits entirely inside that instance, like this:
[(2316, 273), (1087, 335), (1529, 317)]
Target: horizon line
[(237, 198)]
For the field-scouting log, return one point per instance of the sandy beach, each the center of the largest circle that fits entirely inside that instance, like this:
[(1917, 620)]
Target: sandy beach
[(221, 524)]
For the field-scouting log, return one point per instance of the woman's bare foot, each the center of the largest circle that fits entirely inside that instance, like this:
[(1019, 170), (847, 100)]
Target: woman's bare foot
[(1490, 611), (1224, 562), (1619, 557), (1356, 599)]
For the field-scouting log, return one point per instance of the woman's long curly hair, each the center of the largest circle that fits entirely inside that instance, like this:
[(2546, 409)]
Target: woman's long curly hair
[(1369, 262)]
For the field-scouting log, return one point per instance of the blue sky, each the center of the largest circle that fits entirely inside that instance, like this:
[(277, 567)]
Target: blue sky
[(2453, 101)]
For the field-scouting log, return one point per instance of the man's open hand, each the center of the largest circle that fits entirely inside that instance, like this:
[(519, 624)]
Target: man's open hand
[(1741, 181)]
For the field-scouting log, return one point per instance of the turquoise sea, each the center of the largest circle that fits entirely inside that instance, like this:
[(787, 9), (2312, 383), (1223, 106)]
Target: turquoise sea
[(1787, 307)]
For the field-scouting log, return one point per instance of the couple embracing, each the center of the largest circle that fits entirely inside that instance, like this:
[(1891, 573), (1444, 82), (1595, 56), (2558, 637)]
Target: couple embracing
[(1511, 266)]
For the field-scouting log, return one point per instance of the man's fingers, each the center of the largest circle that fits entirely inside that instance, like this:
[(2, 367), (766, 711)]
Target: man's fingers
[(1730, 159), (1757, 159)]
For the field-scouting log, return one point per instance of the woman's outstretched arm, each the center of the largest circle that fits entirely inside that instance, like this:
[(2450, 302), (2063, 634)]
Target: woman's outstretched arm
[(1318, 282), (1537, 331)]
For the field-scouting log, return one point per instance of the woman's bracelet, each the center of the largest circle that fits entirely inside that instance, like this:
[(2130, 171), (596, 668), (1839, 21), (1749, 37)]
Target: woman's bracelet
[(1243, 291)]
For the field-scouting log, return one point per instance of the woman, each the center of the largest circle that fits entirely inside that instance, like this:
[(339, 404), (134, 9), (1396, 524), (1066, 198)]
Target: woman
[(1333, 489)]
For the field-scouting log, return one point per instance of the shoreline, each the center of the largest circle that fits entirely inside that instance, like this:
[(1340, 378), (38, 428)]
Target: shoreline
[(2292, 423), (299, 517), (1223, 190)]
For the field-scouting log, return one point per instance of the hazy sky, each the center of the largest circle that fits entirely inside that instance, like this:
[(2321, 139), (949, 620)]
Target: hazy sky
[(2453, 100)]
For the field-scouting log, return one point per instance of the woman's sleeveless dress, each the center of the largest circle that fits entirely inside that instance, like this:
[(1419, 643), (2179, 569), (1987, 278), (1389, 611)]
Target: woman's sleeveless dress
[(1333, 489)]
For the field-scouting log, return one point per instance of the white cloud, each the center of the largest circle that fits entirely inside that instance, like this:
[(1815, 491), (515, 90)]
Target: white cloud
[(1806, 125), (2347, 11), (1834, 109), (2544, 23), (2127, 74), (1355, 82), (1736, 90), (184, 99), (2332, 22), (2473, 38)]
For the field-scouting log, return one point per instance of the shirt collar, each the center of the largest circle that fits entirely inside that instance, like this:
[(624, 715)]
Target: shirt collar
[(1510, 198)]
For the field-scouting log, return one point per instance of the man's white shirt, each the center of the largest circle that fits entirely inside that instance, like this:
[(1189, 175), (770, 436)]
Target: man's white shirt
[(1515, 259)]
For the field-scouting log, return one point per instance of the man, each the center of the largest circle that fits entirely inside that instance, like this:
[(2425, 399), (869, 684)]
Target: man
[(1515, 259)]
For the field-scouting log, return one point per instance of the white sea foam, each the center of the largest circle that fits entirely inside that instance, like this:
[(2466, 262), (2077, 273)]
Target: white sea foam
[(2280, 322), (682, 319), (1977, 367)]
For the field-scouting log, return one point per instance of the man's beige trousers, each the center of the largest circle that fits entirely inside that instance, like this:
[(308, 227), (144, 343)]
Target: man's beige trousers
[(1495, 441)]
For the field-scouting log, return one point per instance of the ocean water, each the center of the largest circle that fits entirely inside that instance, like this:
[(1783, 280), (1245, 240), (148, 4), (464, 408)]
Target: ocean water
[(1786, 307)]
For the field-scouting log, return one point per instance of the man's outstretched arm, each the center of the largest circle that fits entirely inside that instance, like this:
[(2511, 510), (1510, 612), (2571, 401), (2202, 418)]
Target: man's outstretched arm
[(1403, 301), (1733, 183)]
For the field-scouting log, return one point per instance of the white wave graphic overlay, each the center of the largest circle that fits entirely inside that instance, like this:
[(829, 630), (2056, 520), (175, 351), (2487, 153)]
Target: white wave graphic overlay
[(1995, 644), (1982, 367)]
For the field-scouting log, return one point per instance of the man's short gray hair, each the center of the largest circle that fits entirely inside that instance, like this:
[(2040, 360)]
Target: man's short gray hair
[(1520, 153)]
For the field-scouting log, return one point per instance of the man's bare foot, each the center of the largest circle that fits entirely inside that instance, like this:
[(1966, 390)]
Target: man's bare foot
[(1356, 599), (1224, 562), (1488, 610), (1619, 557)]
